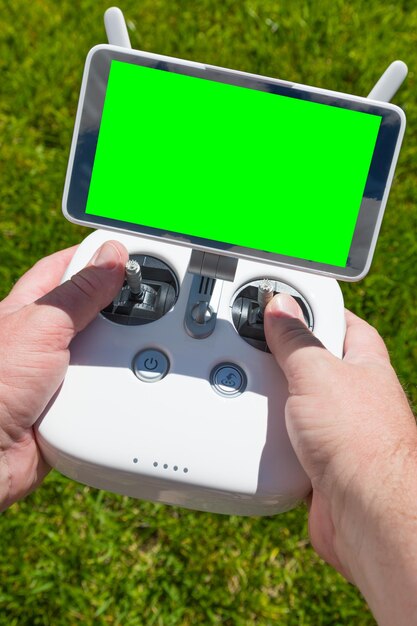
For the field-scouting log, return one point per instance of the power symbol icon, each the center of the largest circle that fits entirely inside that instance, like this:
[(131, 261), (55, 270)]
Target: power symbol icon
[(151, 363)]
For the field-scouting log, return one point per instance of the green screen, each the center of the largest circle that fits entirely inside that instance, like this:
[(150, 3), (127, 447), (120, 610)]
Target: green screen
[(231, 164)]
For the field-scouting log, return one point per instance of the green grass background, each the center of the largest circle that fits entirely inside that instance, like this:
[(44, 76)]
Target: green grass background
[(74, 555)]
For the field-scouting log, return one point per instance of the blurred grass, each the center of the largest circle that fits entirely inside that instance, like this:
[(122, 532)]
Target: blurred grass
[(74, 555)]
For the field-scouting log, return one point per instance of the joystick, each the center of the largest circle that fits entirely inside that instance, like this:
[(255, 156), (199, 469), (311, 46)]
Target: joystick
[(134, 279), (249, 305), (265, 295), (150, 290)]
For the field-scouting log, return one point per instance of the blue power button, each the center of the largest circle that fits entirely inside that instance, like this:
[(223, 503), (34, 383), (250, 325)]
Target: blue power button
[(150, 365)]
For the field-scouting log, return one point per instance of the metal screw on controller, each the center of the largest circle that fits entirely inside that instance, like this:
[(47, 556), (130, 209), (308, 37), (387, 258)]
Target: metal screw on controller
[(265, 295), (134, 278)]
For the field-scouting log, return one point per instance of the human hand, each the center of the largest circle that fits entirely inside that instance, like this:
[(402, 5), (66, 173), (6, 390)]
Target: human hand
[(353, 431), (38, 320)]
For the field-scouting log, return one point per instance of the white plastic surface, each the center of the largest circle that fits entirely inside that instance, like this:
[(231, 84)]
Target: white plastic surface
[(177, 440)]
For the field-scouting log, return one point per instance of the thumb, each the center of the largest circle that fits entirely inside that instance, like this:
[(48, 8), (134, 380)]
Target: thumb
[(293, 345), (70, 307)]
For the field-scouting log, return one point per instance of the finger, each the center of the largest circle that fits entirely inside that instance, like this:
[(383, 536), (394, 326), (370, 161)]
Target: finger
[(295, 348), (362, 341), (38, 280), (70, 307)]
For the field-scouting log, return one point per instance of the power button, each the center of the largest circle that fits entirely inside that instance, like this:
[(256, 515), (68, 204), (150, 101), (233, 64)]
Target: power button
[(150, 365)]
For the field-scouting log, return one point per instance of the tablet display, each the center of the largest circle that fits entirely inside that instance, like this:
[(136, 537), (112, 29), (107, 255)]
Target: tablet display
[(232, 162)]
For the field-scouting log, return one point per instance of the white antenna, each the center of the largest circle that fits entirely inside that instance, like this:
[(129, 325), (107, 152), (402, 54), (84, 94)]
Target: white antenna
[(384, 90), (116, 29), (390, 82)]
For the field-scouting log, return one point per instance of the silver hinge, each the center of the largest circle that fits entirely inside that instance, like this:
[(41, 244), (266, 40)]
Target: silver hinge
[(212, 265)]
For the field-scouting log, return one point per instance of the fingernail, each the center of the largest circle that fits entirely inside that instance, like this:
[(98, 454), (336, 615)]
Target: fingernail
[(106, 257), (285, 305)]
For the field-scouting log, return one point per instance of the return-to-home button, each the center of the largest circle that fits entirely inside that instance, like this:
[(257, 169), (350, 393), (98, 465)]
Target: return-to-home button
[(150, 365), (228, 379)]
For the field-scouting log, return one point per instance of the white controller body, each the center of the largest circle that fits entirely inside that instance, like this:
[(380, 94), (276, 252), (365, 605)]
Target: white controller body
[(177, 440)]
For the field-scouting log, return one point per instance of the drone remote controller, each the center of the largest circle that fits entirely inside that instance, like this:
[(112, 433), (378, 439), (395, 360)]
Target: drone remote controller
[(171, 394)]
